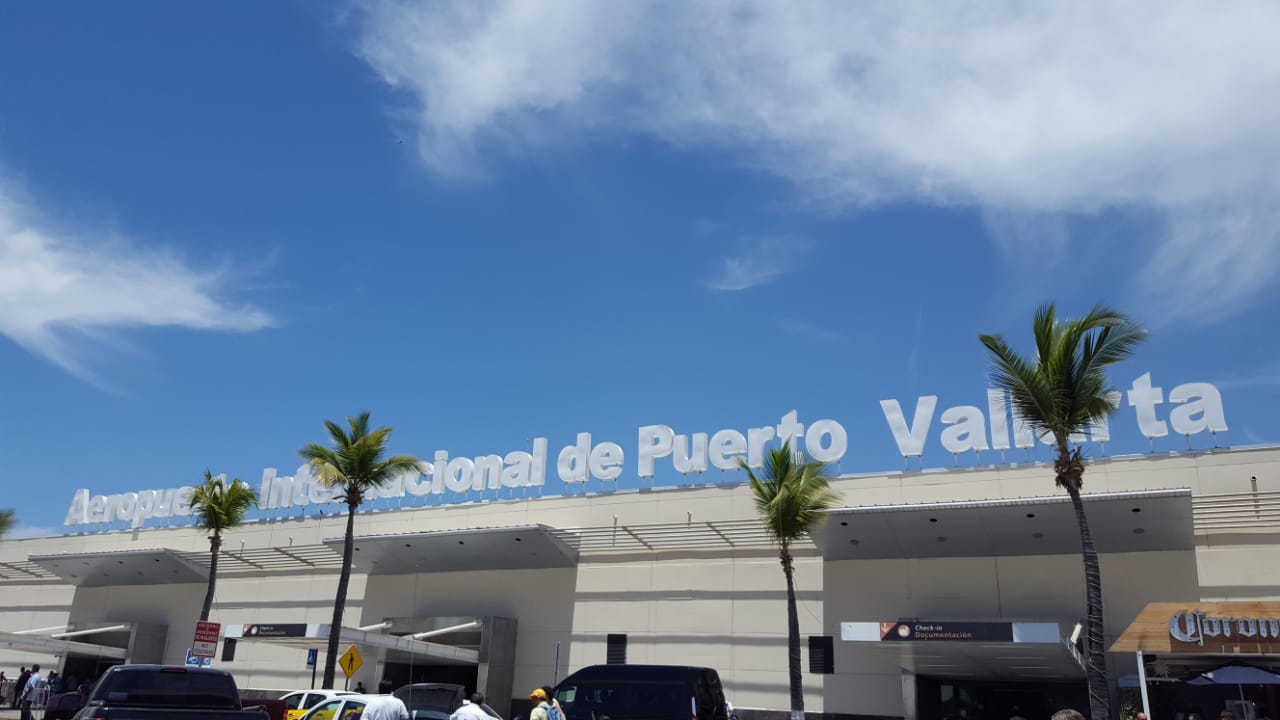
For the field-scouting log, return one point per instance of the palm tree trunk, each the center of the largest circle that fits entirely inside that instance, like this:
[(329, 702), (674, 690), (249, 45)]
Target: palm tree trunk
[(340, 601), (215, 546), (1096, 651), (793, 639)]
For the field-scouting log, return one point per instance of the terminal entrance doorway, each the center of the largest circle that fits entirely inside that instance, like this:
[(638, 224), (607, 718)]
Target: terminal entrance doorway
[(84, 668), (406, 673), (956, 699)]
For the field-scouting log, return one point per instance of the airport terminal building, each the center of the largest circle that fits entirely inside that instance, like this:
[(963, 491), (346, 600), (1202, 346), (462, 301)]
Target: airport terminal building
[(925, 594)]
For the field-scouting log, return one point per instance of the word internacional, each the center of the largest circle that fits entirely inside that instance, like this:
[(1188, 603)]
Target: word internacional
[(1197, 408)]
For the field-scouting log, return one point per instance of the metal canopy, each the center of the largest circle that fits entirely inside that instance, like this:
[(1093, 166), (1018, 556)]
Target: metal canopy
[(511, 548), (128, 567), (270, 559), (1034, 650), (1026, 662), (55, 646), (397, 646), (1120, 522)]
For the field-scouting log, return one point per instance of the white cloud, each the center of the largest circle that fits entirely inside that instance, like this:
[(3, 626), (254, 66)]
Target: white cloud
[(1263, 379), (60, 293), (22, 532), (1027, 109), (759, 261)]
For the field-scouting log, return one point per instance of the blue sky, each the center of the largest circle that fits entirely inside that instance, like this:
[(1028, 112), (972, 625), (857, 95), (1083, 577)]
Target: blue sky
[(222, 224)]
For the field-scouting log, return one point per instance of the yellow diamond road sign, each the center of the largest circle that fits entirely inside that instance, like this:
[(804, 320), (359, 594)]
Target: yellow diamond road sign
[(351, 661)]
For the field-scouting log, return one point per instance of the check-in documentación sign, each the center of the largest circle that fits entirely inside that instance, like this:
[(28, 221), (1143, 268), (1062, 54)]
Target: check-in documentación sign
[(954, 631), (950, 631)]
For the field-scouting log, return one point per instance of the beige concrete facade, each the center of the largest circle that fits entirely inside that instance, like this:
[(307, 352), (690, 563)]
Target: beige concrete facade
[(696, 600)]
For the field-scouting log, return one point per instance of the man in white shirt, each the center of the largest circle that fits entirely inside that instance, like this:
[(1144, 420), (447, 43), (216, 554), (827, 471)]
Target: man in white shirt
[(474, 709), (385, 707), (34, 683)]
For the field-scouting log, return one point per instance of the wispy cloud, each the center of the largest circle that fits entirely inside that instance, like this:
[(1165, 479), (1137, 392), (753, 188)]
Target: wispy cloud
[(62, 294), (1032, 240), (1027, 111), (758, 261), (917, 345), (22, 532), (1214, 260), (1267, 378), (1253, 438)]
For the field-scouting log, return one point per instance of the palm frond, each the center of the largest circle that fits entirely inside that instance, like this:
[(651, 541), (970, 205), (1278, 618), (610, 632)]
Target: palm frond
[(355, 463), (1064, 388), (217, 506), (1030, 395), (788, 495), (7, 520), (336, 433)]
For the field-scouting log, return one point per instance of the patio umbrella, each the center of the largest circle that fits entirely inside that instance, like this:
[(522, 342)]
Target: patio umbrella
[(1238, 675)]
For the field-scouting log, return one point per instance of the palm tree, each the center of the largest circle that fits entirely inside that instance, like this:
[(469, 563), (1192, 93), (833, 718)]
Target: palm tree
[(6, 522), (217, 507), (355, 466), (789, 496), (1059, 393)]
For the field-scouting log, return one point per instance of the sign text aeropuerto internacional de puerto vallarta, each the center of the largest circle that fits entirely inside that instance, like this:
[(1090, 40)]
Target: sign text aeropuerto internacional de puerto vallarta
[(1197, 408)]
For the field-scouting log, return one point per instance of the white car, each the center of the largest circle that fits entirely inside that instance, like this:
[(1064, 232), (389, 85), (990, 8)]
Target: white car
[(344, 707), (298, 702)]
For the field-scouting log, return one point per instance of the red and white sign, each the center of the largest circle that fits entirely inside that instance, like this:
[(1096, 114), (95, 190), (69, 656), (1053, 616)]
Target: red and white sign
[(206, 642)]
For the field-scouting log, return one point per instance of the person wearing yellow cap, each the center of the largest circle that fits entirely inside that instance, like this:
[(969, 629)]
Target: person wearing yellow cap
[(540, 705)]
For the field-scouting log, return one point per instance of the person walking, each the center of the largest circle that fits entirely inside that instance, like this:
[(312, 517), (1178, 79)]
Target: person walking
[(557, 712), (34, 683), (541, 708), (386, 706), (18, 686), (472, 709)]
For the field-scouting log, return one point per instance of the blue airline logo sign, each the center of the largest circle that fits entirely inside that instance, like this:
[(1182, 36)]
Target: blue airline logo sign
[(1196, 408)]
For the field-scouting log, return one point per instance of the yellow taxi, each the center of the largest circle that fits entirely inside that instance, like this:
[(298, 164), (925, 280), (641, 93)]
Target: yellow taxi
[(346, 707), (298, 702)]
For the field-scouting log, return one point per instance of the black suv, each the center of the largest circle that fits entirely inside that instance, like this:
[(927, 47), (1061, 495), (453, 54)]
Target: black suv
[(642, 692)]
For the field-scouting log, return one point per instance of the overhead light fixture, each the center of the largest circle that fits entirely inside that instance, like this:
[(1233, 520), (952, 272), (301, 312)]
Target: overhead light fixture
[(1075, 633), (90, 631), (446, 630)]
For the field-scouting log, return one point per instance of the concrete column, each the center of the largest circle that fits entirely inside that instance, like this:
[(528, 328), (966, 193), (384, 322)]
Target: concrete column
[(908, 695), (495, 675)]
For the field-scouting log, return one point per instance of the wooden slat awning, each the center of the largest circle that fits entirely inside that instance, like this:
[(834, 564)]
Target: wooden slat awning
[(1204, 628)]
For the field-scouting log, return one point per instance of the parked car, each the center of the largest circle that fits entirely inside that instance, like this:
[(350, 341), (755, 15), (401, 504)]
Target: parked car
[(347, 706), (298, 702), (166, 692), (643, 692), (436, 701)]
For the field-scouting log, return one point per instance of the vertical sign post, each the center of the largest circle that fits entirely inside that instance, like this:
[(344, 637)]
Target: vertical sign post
[(312, 653), (1142, 683)]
